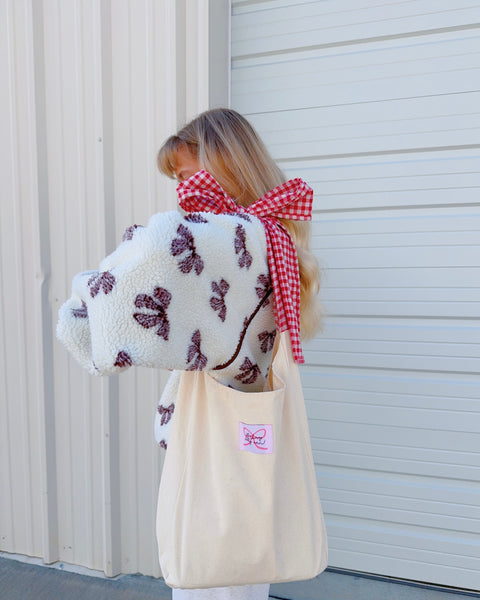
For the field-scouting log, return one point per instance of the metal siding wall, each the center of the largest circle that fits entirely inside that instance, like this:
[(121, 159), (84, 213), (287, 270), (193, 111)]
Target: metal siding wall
[(21, 275), (376, 105), (91, 90)]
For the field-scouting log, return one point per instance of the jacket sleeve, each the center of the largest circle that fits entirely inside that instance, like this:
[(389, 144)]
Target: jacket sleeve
[(175, 294)]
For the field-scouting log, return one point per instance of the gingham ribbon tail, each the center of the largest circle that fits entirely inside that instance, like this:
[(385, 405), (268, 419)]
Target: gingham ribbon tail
[(291, 200)]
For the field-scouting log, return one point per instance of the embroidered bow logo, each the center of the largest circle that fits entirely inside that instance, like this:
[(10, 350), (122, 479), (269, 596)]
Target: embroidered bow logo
[(255, 438)]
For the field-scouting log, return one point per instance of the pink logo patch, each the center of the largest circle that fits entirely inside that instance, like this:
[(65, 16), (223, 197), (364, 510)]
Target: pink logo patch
[(255, 438)]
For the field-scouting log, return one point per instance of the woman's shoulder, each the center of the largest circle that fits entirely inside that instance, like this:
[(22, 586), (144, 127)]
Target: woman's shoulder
[(241, 230), (202, 218)]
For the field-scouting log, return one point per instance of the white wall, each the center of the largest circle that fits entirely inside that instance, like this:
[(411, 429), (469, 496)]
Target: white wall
[(89, 91)]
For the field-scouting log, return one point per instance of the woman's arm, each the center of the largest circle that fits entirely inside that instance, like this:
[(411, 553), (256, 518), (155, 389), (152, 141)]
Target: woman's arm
[(175, 294)]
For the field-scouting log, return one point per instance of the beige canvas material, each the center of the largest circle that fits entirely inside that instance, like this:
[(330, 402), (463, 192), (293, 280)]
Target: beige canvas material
[(231, 512)]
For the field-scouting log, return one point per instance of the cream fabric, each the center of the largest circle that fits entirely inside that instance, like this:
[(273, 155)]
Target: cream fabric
[(238, 501), (173, 295)]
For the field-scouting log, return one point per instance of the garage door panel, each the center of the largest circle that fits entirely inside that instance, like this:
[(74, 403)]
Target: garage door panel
[(402, 485), (439, 341), (466, 463), (323, 63), (383, 432), (426, 310), (420, 277), (375, 183), (414, 257), (298, 25), (371, 89), (379, 239), (325, 70), (396, 361), (465, 512), (448, 508), (322, 79), (370, 127), (446, 335), (441, 551), (298, 124), (391, 136), (460, 195), (395, 512), (407, 384), (377, 61), (391, 172), (430, 422), (427, 224), (398, 348), (338, 231), (414, 284), (355, 358), (435, 469), (420, 571), (396, 466), (383, 184), (332, 295), (405, 543), (406, 399)]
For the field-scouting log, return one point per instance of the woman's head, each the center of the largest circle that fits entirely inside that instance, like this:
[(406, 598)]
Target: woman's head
[(226, 145)]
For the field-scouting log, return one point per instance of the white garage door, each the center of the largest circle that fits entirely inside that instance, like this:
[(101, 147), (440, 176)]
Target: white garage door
[(377, 105)]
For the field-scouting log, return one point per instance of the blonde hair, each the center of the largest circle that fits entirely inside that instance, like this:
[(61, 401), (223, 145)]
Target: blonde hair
[(227, 146)]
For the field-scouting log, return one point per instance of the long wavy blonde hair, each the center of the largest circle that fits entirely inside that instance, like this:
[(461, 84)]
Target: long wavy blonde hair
[(227, 146)]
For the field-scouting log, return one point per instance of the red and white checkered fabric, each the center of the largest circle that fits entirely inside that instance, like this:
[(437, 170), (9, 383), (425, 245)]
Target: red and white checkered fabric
[(291, 200)]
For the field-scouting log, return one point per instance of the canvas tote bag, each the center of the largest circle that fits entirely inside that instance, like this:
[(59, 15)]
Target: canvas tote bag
[(238, 501)]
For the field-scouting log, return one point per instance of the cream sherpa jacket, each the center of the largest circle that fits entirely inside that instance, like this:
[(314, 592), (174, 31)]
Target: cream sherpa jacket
[(186, 292)]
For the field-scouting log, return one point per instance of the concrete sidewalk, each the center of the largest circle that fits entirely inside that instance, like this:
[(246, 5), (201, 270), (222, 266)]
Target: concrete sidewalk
[(25, 581)]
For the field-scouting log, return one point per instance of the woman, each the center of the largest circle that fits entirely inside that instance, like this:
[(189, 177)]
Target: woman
[(206, 290)]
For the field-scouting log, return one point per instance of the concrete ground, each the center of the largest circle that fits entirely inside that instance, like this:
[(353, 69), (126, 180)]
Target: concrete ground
[(26, 581)]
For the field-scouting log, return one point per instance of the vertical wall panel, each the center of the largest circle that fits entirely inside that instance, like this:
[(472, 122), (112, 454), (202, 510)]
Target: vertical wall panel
[(91, 90), (71, 34), (8, 168), (22, 385)]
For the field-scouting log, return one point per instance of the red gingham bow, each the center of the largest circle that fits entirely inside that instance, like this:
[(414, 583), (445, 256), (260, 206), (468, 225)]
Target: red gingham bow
[(291, 200)]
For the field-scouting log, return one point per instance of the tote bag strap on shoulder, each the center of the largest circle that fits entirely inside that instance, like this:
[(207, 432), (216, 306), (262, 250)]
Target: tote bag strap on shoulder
[(244, 332)]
